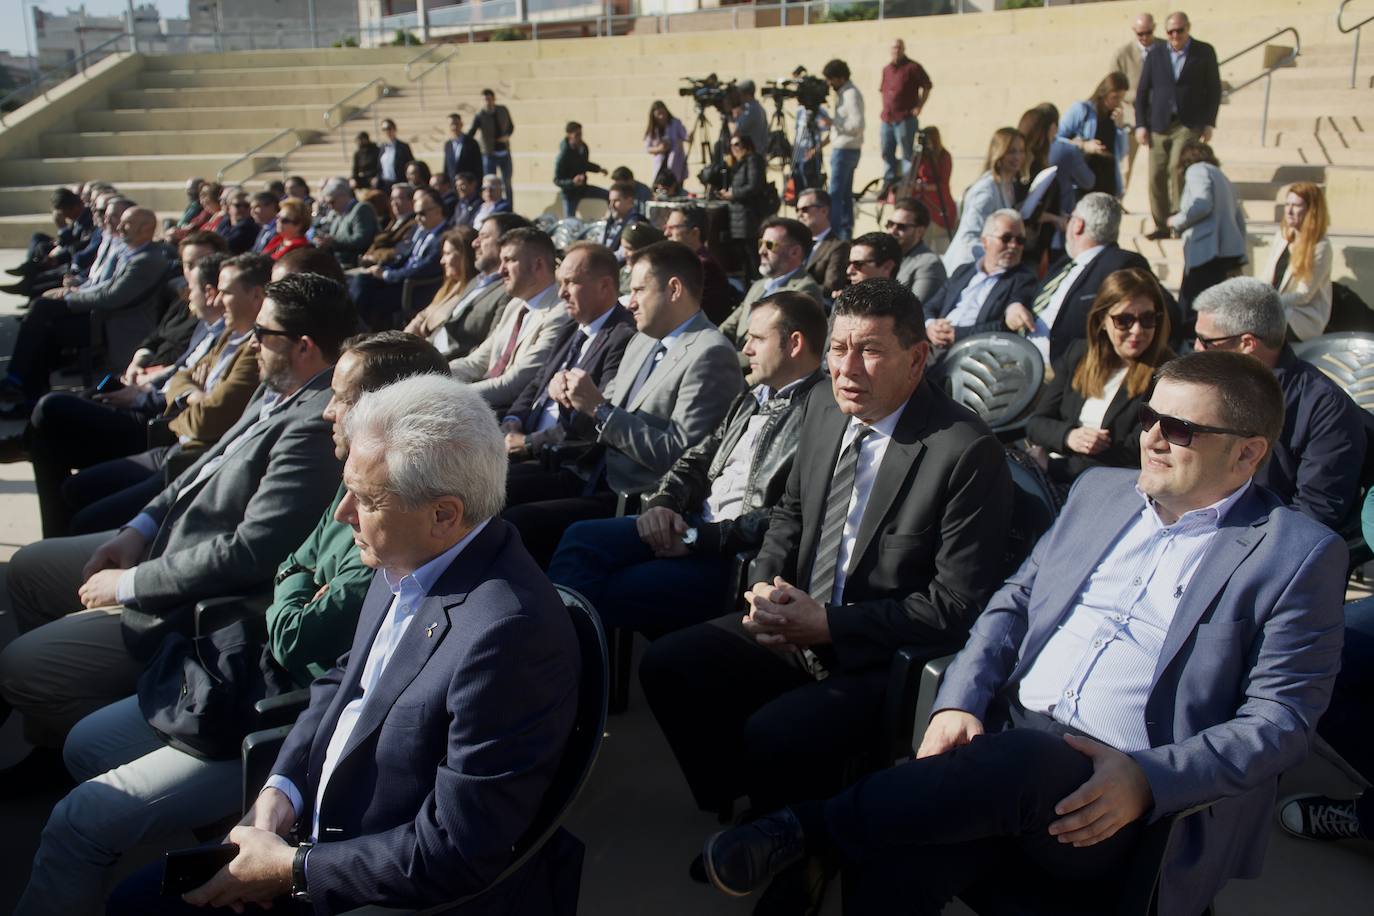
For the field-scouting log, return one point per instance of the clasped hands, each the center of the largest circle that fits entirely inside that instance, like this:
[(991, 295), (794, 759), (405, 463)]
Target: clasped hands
[(261, 872), (100, 575), (784, 618), (1115, 795)]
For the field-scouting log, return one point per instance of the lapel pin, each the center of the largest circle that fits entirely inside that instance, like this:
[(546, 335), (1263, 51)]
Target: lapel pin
[(429, 630)]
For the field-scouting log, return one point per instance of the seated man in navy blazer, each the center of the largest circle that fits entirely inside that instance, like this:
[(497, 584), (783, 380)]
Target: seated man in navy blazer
[(1166, 650), (976, 297), (425, 755), (377, 290)]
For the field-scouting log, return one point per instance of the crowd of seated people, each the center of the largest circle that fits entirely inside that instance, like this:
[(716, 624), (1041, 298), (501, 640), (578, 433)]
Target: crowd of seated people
[(380, 423)]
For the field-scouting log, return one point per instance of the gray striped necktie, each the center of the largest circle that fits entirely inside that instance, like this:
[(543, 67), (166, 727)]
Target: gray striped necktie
[(1046, 294), (836, 513)]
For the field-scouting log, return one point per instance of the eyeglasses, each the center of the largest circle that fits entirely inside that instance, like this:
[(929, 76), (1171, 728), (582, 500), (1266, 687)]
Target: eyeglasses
[(905, 227), (1006, 238), (239, 204), (1180, 432), (808, 208), (858, 263), (1125, 322), (1148, 34), (771, 244), (285, 220), (1175, 31), (1207, 343), (259, 332)]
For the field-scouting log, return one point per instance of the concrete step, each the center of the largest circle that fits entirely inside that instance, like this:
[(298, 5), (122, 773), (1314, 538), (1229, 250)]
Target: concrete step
[(115, 169), (270, 76), (159, 143), (34, 200), (302, 58), (208, 118), (232, 97)]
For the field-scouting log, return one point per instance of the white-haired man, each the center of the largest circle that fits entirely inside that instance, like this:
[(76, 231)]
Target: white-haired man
[(976, 296), (461, 683), (352, 227)]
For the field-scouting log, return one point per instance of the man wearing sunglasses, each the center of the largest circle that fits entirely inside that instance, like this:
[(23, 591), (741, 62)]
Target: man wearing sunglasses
[(829, 254), (1319, 458), (1173, 660), (1130, 60), (921, 269), (1176, 101), (873, 254), (783, 247), (977, 295)]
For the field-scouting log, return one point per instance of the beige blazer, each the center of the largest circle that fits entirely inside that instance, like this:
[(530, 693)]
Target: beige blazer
[(1307, 304)]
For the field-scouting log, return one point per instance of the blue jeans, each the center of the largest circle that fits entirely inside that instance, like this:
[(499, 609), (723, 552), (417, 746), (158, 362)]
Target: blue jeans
[(500, 163), (1348, 724), (843, 162), (904, 131), (606, 561)]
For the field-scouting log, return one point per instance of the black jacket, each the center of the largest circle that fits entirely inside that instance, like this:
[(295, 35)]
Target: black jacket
[(1197, 92), (241, 235), (1072, 321), (367, 164), (747, 197), (687, 484), (571, 162), (469, 161), (1057, 413), (1014, 285)]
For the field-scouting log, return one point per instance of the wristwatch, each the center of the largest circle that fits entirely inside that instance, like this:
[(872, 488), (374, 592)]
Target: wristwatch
[(689, 537), (298, 888), (602, 414)]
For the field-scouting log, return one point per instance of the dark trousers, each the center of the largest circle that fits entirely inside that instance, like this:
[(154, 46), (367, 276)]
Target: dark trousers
[(1348, 724), (969, 820), (743, 720), (379, 302), (39, 243), (106, 496), (607, 562), (68, 432), (575, 195), (542, 504), (45, 331), (1199, 278)]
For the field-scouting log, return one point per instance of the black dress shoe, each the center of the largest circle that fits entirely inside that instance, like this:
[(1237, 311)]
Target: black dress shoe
[(15, 289), (13, 451), (42, 771), (21, 271), (740, 860), (1159, 235)]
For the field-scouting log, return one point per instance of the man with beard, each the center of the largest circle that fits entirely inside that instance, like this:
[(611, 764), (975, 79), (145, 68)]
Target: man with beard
[(783, 248), (221, 527)]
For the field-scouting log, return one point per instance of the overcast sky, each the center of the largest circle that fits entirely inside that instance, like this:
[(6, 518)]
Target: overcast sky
[(12, 39)]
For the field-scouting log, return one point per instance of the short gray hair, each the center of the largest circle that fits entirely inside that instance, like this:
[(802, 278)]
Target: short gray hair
[(336, 186), (493, 181), (1101, 216), (1245, 305), (1006, 213), (440, 439)]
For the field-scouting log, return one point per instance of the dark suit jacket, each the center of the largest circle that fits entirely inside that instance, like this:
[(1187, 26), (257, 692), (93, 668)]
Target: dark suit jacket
[(1015, 285), (1072, 321), (1056, 413), (227, 534), (1244, 673), (241, 235), (828, 265), (403, 159), (930, 545), (473, 709), (1197, 93), (600, 360), (469, 160), (367, 164)]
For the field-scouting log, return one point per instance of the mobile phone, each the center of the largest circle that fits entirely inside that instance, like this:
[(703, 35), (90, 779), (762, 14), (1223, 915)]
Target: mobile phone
[(187, 869)]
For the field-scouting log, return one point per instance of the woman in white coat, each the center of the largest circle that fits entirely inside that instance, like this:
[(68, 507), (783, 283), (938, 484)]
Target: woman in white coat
[(1298, 264)]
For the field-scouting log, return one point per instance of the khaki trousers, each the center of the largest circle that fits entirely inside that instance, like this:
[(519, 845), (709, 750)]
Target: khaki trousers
[(1165, 186)]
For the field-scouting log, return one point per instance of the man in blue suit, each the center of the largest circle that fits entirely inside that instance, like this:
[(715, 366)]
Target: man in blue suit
[(377, 289), (425, 755), (461, 152), (1175, 656), (976, 296)]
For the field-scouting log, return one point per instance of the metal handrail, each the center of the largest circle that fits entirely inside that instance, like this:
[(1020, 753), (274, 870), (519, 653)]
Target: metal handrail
[(282, 161), (67, 66), (1346, 30), (419, 80), (1268, 73), (422, 56), (384, 91)]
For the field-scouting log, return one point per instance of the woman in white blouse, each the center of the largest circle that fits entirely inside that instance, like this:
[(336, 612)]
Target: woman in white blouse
[(1299, 261), (1087, 414)]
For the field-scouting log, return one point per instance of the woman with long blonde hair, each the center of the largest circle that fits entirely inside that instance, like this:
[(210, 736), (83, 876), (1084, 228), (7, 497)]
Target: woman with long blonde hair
[(1087, 414), (995, 189), (1299, 260)]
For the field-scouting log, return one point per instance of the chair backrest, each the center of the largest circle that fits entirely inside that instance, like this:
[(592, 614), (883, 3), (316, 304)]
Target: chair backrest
[(997, 375), (1035, 505), (583, 744), (1347, 359)]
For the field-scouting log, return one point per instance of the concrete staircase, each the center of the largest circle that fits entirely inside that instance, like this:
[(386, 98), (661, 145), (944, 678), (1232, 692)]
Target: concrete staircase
[(151, 122)]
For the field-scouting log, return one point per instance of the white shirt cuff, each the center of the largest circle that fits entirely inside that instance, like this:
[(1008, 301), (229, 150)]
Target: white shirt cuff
[(287, 788), (124, 588), (145, 525)]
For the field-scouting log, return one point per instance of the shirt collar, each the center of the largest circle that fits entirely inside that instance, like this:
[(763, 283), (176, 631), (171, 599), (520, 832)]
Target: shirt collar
[(543, 299), (424, 578), (763, 394), (775, 283), (237, 341), (883, 427), (593, 327), (1207, 515), (1182, 52), (671, 337), (820, 237), (1086, 257)]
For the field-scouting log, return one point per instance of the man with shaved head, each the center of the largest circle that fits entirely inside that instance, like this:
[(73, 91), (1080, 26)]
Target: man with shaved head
[(1130, 60), (60, 318)]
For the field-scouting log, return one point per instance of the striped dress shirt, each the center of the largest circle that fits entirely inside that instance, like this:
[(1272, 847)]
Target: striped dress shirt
[(1096, 672)]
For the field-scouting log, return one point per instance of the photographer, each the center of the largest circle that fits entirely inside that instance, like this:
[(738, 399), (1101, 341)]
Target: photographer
[(846, 137), (570, 170), (746, 196)]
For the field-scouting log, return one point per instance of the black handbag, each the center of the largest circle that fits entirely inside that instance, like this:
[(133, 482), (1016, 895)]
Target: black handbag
[(198, 694)]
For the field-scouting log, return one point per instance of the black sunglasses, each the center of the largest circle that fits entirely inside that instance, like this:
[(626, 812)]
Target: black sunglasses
[(905, 227), (858, 263), (1124, 322), (259, 332), (1006, 238), (1175, 31), (1207, 343), (1180, 432)]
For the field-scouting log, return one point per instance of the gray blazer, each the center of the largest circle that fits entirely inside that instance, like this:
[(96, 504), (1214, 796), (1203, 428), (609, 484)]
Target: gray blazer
[(227, 534), (678, 406), (1245, 671), (125, 304), (1210, 216), (472, 326), (922, 271), (736, 325)]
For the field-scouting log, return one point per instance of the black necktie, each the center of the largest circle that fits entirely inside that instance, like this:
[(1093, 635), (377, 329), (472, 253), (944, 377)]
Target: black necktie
[(579, 341), (832, 526)]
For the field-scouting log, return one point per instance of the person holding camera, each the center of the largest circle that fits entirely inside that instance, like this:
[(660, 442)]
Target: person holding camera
[(846, 137)]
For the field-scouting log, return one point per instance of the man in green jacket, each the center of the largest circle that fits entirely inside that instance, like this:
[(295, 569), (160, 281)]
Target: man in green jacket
[(134, 788)]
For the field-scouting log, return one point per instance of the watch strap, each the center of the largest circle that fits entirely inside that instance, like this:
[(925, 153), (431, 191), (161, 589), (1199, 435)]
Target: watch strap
[(298, 888)]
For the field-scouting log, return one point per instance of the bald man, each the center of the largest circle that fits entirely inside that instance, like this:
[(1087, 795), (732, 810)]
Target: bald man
[(1130, 59), (60, 318)]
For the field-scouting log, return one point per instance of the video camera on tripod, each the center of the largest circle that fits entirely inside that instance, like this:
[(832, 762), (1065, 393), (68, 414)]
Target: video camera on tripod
[(709, 92), (809, 91)]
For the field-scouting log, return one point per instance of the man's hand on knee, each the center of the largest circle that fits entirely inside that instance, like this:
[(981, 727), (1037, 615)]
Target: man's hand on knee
[(948, 729), (271, 811), (1115, 795), (119, 552)]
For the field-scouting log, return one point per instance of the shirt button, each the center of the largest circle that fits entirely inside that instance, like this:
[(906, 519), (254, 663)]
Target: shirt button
[(1097, 644), (1070, 694), (1119, 618), (1135, 581)]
